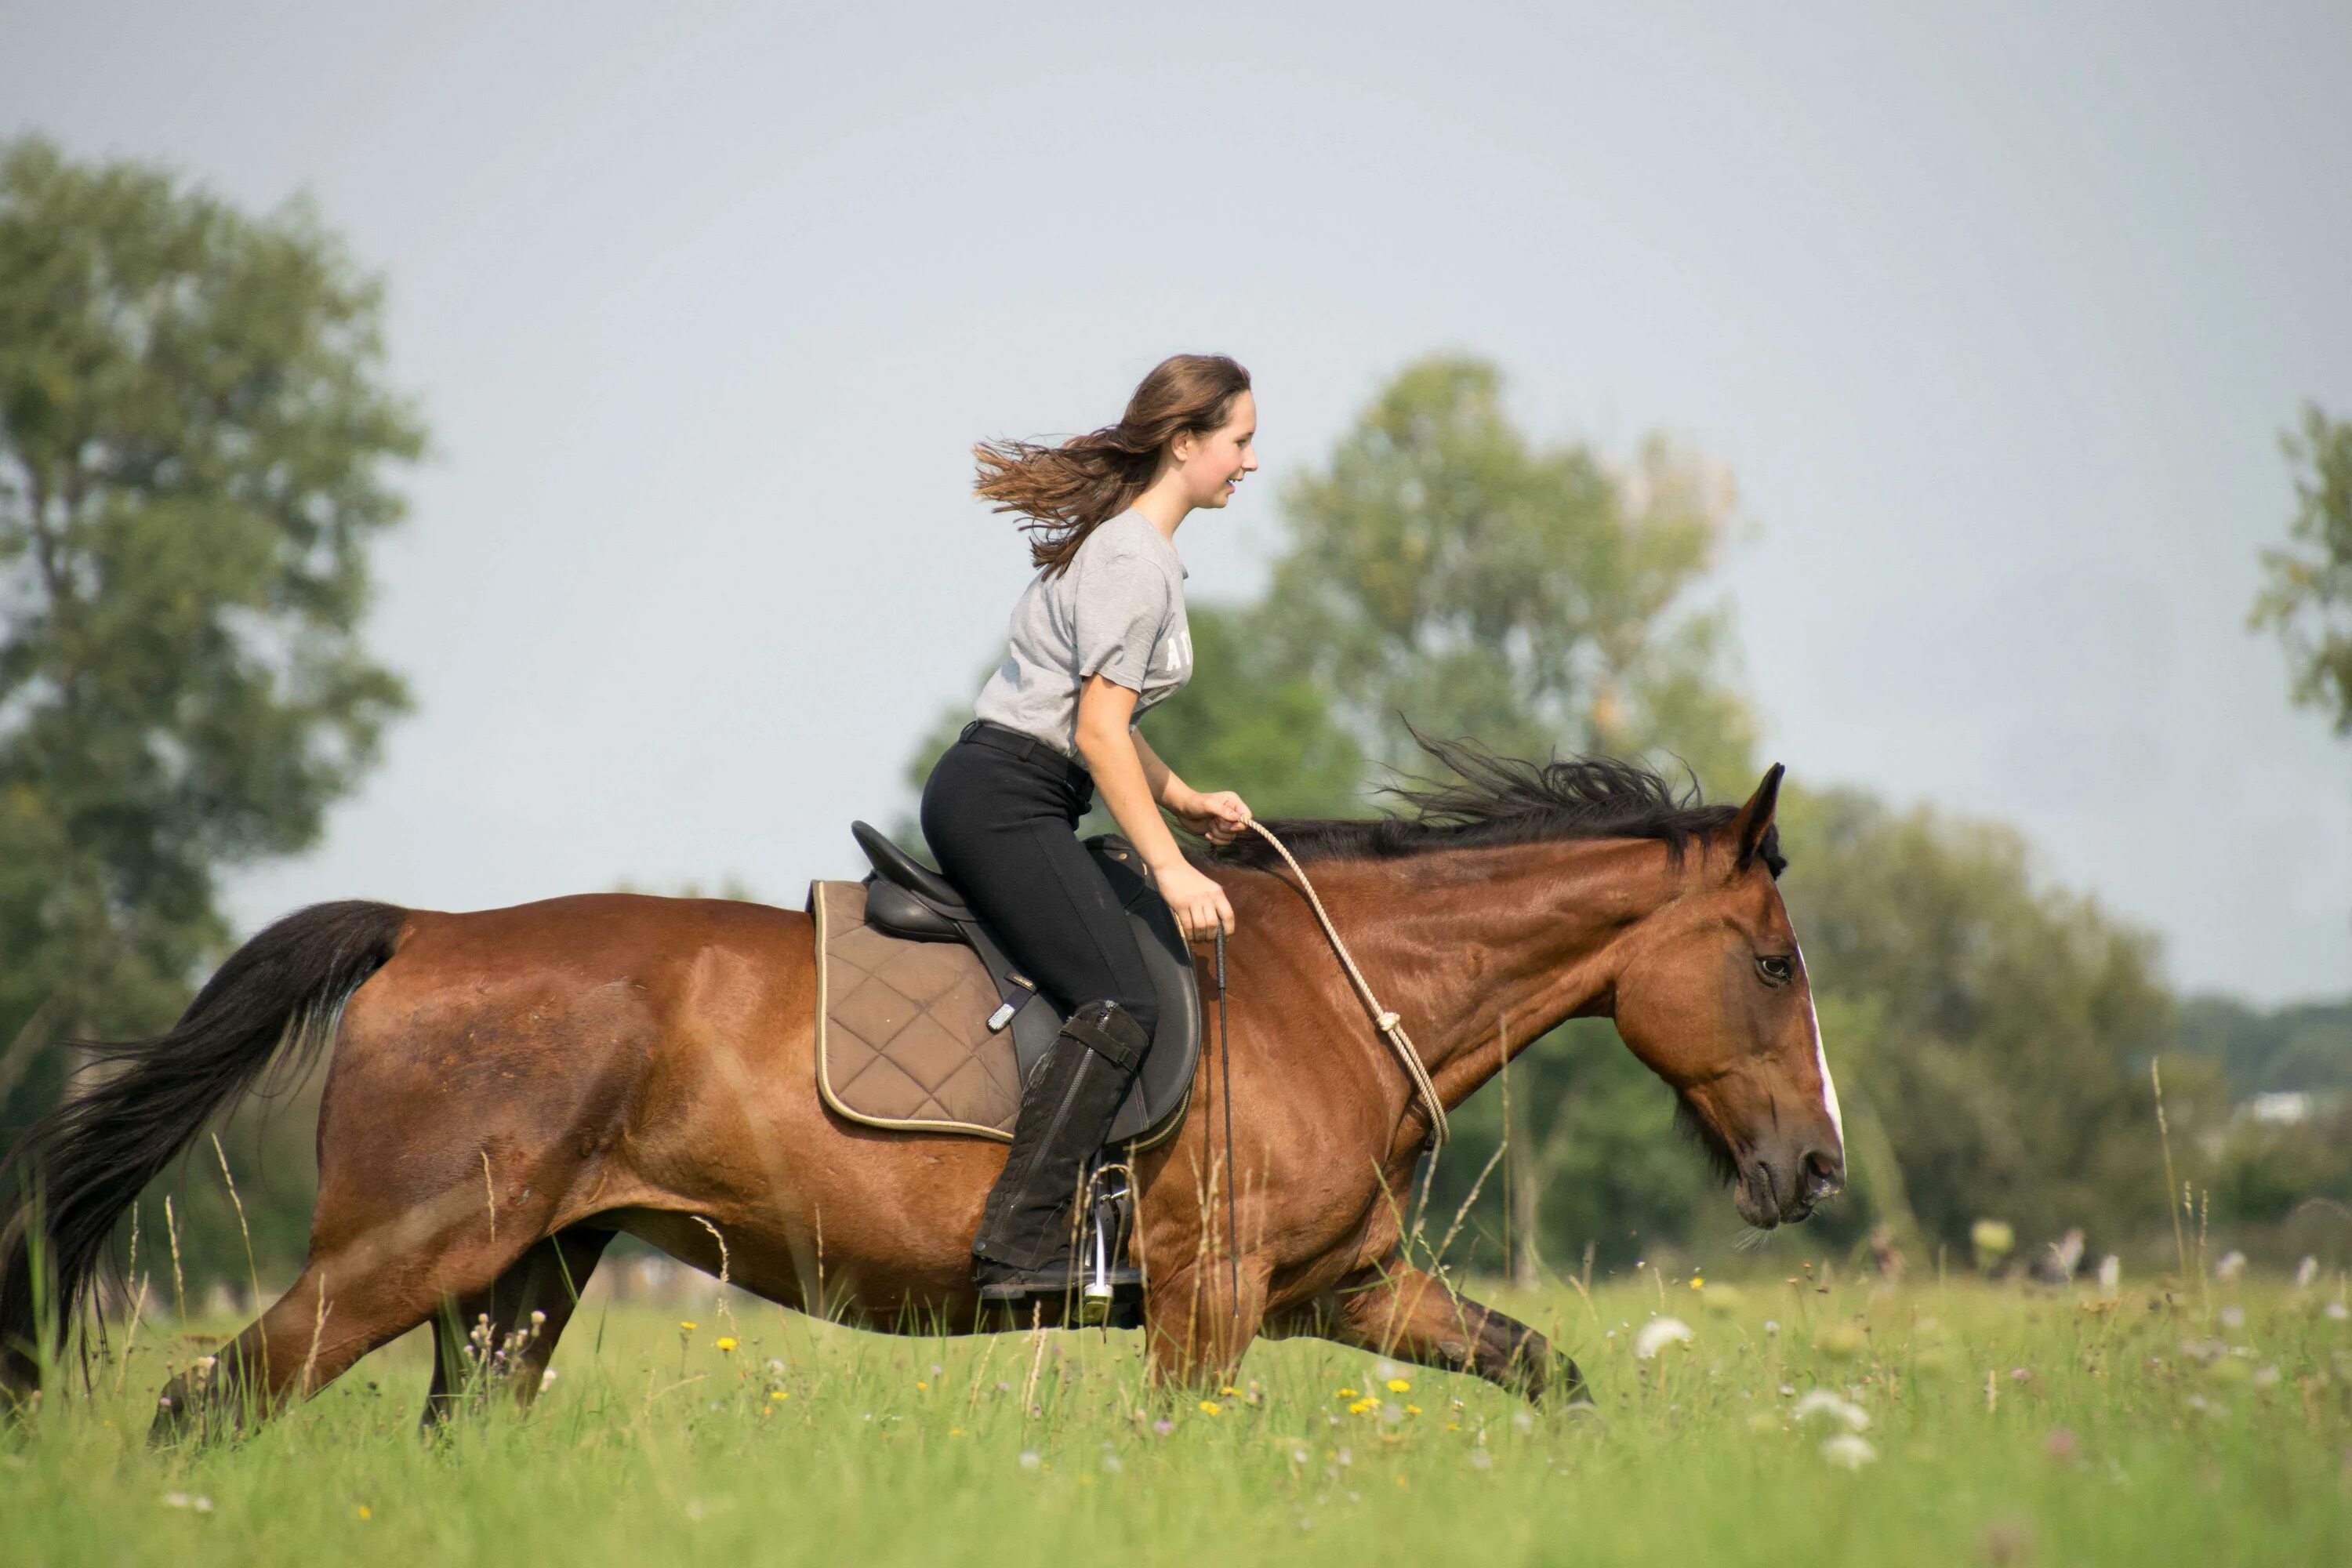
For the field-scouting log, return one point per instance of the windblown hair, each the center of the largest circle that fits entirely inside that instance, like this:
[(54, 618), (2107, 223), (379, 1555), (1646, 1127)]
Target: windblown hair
[(1067, 491), (1503, 800)]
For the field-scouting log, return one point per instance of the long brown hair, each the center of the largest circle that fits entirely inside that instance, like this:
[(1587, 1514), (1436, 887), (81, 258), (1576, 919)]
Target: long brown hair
[(1067, 492)]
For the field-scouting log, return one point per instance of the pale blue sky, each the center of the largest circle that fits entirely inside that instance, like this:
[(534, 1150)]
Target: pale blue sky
[(1995, 317)]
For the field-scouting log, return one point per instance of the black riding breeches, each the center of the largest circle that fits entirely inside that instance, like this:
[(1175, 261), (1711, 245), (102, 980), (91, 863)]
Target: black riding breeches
[(1000, 811)]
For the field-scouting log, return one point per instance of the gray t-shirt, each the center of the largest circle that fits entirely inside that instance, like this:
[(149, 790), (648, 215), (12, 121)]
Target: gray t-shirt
[(1119, 610)]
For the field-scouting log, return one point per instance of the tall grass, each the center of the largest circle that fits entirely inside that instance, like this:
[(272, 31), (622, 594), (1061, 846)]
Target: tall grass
[(2001, 1427)]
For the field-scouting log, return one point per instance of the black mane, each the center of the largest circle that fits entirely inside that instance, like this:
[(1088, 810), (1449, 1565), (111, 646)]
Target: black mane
[(1503, 800)]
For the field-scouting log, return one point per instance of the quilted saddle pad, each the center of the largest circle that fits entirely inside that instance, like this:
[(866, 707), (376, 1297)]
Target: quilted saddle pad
[(902, 1036)]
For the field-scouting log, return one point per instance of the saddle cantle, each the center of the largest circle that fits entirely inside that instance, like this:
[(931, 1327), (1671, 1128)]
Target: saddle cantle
[(923, 1023)]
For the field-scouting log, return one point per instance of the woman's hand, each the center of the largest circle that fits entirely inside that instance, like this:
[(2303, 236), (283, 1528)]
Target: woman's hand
[(1218, 817), (1195, 900)]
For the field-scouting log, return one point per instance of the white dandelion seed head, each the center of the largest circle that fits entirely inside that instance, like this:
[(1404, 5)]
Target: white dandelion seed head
[(1848, 1451), (1658, 1334), (1841, 1412)]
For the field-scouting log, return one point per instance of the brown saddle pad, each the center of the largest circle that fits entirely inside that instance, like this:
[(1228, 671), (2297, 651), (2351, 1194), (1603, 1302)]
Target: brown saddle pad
[(902, 1036)]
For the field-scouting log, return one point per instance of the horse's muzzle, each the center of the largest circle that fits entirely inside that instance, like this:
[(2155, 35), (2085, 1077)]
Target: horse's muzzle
[(1784, 1190)]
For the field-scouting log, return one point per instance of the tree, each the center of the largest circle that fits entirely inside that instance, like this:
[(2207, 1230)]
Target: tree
[(193, 450), (1442, 569), (2307, 597), (1991, 1034)]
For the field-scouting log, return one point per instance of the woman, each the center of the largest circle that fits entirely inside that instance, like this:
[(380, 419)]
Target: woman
[(1098, 636)]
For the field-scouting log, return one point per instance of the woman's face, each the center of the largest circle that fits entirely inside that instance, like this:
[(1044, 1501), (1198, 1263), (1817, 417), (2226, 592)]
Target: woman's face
[(1211, 464)]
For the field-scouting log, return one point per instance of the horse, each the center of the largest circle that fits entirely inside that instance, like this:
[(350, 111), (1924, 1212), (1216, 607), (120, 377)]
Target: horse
[(511, 1088)]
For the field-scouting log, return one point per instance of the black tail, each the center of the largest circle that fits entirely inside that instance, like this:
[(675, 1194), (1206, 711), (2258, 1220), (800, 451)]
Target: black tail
[(79, 1167)]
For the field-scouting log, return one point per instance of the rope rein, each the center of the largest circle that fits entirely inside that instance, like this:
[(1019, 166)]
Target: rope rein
[(1386, 1022)]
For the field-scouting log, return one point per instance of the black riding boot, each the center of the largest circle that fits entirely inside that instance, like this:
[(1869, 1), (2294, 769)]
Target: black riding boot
[(1025, 1245)]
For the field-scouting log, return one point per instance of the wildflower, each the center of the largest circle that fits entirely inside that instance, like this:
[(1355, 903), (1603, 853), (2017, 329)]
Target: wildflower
[(2111, 1274), (365, 1512), (1163, 1426), (1658, 1334), (1821, 1402), (921, 1386), (1210, 1407), (1413, 1410), (1524, 1420), (955, 1432), (1697, 1283), (777, 1396), (1111, 1462), (1771, 1326), (2060, 1443), (1399, 1385), (1029, 1460), (2306, 1272), (1230, 1393), (2337, 1312), (2232, 1267), (1364, 1406), (175, 1500), (2233, 1316), (685, 1327), (1344, 1393), (1849, 1451), (546, 1379), (726, 1342)]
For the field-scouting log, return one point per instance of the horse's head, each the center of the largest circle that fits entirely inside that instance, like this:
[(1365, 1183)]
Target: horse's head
[(1714, 998)]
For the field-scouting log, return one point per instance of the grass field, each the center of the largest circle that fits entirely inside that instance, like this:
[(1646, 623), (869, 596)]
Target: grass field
[(1961, 1423)]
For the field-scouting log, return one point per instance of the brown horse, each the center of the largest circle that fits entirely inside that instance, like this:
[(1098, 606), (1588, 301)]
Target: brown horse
[(511, 1088)]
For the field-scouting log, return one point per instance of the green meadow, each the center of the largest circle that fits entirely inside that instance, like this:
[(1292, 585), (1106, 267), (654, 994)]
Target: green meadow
[(1779, 1421)]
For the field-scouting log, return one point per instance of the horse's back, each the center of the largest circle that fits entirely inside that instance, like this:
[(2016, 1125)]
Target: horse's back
[(570, 1027)]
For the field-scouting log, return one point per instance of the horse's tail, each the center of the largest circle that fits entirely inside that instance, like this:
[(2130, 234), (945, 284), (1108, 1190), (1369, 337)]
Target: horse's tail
[(66, 1182)]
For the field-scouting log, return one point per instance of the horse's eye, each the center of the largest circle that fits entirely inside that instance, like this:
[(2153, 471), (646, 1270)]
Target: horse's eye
[(1775, 970)]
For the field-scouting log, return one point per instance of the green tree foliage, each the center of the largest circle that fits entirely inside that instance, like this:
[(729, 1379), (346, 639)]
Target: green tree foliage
[(2006, 1026), (1444, 567), (193, 442), (2307, 595)]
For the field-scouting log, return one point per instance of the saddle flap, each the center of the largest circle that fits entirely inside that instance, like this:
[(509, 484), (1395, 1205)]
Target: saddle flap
[(891, 908)]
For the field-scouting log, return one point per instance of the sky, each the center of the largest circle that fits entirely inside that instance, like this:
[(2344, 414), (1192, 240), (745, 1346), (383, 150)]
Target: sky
[(1995, 312)]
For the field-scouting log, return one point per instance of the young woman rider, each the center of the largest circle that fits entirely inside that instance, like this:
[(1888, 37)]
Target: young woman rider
[(1098, 636)]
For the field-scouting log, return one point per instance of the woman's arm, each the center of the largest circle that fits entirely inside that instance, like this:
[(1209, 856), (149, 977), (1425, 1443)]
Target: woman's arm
[(1114, 753)]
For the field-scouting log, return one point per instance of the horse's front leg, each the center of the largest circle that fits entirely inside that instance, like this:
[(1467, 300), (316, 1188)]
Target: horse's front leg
[(1412, 1316), (1198, 1318)]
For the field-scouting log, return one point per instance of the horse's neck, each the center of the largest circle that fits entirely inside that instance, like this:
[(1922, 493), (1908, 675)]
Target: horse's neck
[(1481, 951)]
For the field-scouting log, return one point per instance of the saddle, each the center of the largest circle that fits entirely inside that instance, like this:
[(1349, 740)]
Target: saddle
[(925, 1026)]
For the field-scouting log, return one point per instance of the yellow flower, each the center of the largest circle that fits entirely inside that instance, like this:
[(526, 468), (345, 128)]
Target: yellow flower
[(688, 1327), (1210, 1407), (1413, 1410), (365, 1512), (1233, 1391), (1364, 1408), (726, 1342), (1399, 1385), (777, 1395), (955, 1431), (1696, 1282), (1344, 1393), (921, 1387)]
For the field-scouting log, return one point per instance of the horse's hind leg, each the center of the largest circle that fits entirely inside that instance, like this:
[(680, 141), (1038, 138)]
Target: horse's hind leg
[(366, 1290), (507, 1332), (1405, 1314)]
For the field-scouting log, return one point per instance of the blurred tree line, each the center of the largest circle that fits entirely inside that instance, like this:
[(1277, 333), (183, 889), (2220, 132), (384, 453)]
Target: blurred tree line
[(192, 445), (195, 445)]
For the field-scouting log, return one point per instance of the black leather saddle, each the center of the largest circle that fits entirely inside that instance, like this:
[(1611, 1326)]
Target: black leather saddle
[(905, 898)]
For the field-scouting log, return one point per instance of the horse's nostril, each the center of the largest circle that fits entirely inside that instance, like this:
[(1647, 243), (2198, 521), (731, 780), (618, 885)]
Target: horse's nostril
[(1824, 1171)]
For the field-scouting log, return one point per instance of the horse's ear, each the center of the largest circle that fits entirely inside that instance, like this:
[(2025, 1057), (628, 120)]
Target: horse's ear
[(1755, 818)]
